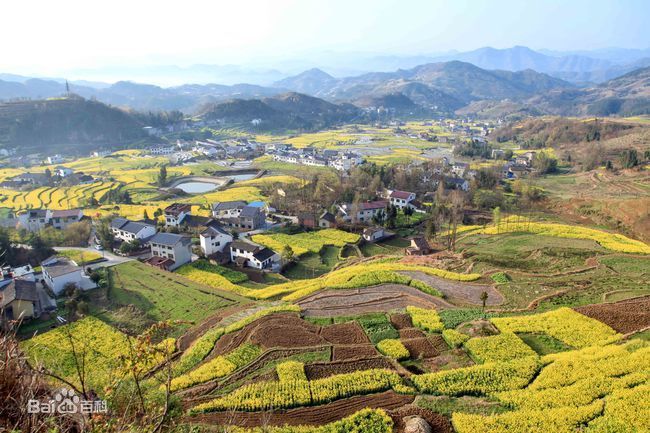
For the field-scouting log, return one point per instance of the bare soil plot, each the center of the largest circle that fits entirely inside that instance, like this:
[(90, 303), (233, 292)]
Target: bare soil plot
[(275, 330), (314, 415), (321, 370), (459, 291), (406, 333), (438, 342), (624, 316), (401, 320), (420, 348), (344, 333), (381, 298), (439, 423), (353, 352)]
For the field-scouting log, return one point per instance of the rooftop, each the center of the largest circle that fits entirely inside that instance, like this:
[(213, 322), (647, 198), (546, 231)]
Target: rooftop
[(401, 194), (65, 213), (169, 239), (20, 290), (61, 266), (250, 211), (178, 208), (227, 205)]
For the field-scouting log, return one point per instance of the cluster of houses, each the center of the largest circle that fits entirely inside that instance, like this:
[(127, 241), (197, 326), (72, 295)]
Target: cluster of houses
[(169, 250), (211, 149), (24, 296), (56, 176), (341, 161), (37, 219)]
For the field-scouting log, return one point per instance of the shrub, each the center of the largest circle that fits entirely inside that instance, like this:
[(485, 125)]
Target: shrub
[(501, 347), (393, 348), (454, 338), (500, 277), (427, 320)]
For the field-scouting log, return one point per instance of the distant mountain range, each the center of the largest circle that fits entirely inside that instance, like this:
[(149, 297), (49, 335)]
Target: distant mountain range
[(315, 99)]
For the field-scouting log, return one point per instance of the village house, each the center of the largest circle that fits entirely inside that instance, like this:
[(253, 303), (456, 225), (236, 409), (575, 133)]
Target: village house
[(59, 271), (419, 247), (327, 220), (127, 230), (61, 219), (214, 239), (244, 253), (363, 212), (54, 159), (34, 219), (227, 209), (459, 168), (401, 199), (19, 300), (63, 171), (176, 213), (162, 150), (170, 251), (373, 234), (456, 183), (252, 217)]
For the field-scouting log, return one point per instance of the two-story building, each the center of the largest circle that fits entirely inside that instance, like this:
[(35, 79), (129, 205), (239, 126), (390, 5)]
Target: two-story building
[(176, 213), (227, 209), (59, 271), (171, 250), (401, 199), (362, 212), (252, 255), (127, 230), (35, 219), (214, 239), (61, 219)]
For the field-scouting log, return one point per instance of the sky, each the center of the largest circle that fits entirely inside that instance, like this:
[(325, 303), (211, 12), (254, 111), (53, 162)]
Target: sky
[(49, 37)]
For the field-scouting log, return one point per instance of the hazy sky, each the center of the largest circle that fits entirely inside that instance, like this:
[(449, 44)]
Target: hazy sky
[(47, 37)]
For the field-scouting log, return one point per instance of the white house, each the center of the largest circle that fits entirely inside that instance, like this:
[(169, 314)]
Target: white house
[(227, 209), (214, 239), (363, 212), (401, 199), (35, 219), (253, 255), (373, 234), (162, 150), (61, 219), (59, 271), (127, 230), (177, 249), (63, 171), (176, 213), (54, 159)]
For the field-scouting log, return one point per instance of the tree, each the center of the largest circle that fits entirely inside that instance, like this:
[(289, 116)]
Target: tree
[(484, 298), (496, 217), (545, 163), (408, 211), (145, 215), (430, 229), (162, 176), (609, 165), (629, 158), (105, 235), (287, 253)]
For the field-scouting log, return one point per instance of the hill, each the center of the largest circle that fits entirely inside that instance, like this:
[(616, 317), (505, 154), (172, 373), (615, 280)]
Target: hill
[(73, 121), (287, 111)]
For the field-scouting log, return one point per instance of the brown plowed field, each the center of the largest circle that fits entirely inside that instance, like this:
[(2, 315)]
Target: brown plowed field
[(321, 370), (438, 422), (344, 333), (316, 415), (340, 353), (275, 330), (459, 291), (624, 316), (407, 333), (400, 320), (438, 342), (381, 298), (420, 348)]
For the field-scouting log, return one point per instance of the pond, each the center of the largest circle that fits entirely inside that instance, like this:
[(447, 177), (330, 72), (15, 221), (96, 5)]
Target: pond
[(197, 187)]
